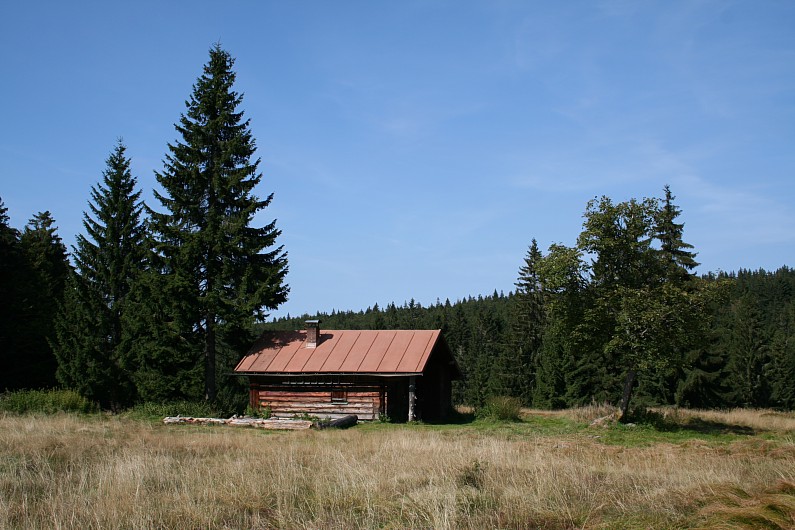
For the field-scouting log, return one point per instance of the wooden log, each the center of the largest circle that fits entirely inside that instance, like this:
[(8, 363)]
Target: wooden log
[(282, 424), (270, 423), (340, 423)]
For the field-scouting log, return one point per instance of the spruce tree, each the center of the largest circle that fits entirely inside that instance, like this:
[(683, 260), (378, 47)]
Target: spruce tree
[(749, 355), (525, 330), (163, 368), (699, 378), (108, 258), (482, 352), (782, 365), (551, 367), (48, 269), (676, 255), (221, 272), (13, 280), (702, 384)]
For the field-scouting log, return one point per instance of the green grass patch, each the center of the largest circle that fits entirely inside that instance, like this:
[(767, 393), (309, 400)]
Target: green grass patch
[(645, 434), (526, 427), (535, 426), (46, 402)]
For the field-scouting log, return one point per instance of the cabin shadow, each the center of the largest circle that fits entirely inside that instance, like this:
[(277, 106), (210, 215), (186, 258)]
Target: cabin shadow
[(455, 417)]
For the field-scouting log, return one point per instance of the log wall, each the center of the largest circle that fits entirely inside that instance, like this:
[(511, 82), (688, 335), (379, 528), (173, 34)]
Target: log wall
[(366, 402)]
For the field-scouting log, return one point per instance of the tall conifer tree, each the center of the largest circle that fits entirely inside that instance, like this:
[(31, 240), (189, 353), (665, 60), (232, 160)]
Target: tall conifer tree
[(516, 364), (749, 344), (222, 271), (676, 253), (13, 269), (47, 272), (108, 258)]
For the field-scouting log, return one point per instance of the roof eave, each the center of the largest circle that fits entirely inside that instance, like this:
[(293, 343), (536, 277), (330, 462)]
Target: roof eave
[(308, 374)]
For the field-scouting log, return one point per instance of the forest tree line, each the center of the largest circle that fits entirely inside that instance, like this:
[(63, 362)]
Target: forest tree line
[(747, 358), (576, 326), (160, 302)]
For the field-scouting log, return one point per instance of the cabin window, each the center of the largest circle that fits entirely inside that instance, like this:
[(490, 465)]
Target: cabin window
[(339, 396)]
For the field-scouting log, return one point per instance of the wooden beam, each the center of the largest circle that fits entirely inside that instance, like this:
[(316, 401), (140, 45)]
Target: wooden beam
[(412, 398)]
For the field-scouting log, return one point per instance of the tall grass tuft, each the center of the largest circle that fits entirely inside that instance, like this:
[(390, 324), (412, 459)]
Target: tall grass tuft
[(589, 413), (46, 402), (736, 508), (471, 475), (501, 408)]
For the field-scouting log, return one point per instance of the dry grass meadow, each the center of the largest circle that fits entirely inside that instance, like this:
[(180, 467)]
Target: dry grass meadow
[(700, 470)]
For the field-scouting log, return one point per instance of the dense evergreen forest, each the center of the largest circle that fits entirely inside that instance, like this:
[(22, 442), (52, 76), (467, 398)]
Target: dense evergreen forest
[(159, 303), (746, 359)]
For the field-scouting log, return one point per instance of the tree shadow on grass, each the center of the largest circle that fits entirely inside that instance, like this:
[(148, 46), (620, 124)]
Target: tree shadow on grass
[(655, 419), (712, 427), (694, 424)]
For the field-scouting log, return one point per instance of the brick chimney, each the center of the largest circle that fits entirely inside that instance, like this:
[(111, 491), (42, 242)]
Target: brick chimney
[(312, 333)]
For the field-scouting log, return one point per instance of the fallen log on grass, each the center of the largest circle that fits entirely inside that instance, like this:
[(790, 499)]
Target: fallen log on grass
[(270, 423), (340, 423)]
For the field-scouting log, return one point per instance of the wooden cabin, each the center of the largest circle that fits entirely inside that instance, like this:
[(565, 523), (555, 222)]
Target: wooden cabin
[(401, 374)]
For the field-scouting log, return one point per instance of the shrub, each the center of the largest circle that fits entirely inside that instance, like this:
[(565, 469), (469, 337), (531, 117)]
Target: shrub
[(258, 412), (502, 408), (194, 409), (645, 416), (46, 402)]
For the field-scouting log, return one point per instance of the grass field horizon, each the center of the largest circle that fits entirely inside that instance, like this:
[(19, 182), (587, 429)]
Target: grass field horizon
[(682, 469)]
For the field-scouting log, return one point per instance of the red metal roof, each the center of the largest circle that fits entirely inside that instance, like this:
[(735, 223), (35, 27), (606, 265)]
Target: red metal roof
[(342, 351)]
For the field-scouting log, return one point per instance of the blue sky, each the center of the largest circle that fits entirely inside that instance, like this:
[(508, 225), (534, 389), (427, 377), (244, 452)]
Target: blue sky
[(415, 148)]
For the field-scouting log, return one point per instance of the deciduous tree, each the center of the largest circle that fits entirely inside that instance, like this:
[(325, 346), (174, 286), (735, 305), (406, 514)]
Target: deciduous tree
[(639, 306)]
